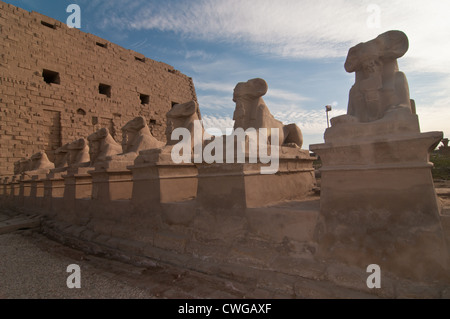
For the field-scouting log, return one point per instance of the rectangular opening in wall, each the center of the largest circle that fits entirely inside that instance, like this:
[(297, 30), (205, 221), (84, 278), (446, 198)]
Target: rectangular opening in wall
[(145, 99), (104, 89), (152, 122), (51, 76), (139, 59), (48, 25), (103, 45)]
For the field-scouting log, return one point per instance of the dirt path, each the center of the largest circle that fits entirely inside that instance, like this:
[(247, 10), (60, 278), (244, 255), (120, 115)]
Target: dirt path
[(32, 266), (35, 267)]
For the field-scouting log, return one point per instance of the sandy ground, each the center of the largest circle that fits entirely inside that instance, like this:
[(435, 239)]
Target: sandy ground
[(34, 267)]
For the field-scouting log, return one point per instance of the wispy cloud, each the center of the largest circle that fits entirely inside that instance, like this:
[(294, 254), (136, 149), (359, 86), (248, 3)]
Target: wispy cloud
[(215, 86), (198, 54), (298, 29), (273, 94), (214, 124), (138, 44), (222, 104), (279, 94), (312, 123)]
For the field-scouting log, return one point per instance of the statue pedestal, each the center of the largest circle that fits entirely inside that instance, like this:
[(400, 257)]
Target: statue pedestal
[(77, 185), (74, 206), (3, 187), (112, 180), (24, 190), (54, 185), (243, 186), (156, 179), (14, 189), (111, 184), (378, 204), (5, 190), (53, 188), (34, 199)]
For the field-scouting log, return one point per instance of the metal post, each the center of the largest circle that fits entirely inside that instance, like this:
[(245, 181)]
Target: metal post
[(328, 109), (328, 121)]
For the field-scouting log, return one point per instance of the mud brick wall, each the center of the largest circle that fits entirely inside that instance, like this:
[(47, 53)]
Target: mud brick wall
[(59, 84)]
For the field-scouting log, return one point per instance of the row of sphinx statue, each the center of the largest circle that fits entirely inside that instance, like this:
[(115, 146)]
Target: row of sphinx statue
[(97, 147), (251, 112), (379, 88)]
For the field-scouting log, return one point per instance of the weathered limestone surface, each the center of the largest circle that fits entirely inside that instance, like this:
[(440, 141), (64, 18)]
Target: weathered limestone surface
[(186, 116), (244, 182), (102, 145), (62, 157), (111, 178), (156, 178), (79, 153), (136, 137), (51, 80), (379, 85), (252, 112), (38, 164), (248, 188), (77, 181), (378, 202)]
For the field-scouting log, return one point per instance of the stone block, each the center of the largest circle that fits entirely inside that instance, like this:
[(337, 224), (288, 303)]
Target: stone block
[(248, 188)]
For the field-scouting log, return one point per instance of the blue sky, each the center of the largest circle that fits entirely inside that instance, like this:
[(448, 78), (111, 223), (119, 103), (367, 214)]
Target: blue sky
[(298, 46)]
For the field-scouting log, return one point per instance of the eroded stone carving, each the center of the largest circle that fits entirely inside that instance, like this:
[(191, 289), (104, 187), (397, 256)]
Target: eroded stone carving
[(40, 161), (379, 85), (22, 166), (17, 168), (102, 145), (185, 116), (377, 188), (62, 156), (78, 153), (136, 137), (252, 112)]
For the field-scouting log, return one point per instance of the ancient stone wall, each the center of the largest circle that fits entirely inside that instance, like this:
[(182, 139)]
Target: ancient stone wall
[(59, 84)]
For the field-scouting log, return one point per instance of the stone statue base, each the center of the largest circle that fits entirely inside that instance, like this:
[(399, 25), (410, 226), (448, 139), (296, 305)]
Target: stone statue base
[(378, 204), (158, 180), (72, 208), (15, 186), (53, 188), (36, 195), (11, 189), (243, 185), (111, 184), (78, 185), (4, 187), (111, 180), (24, 185)]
